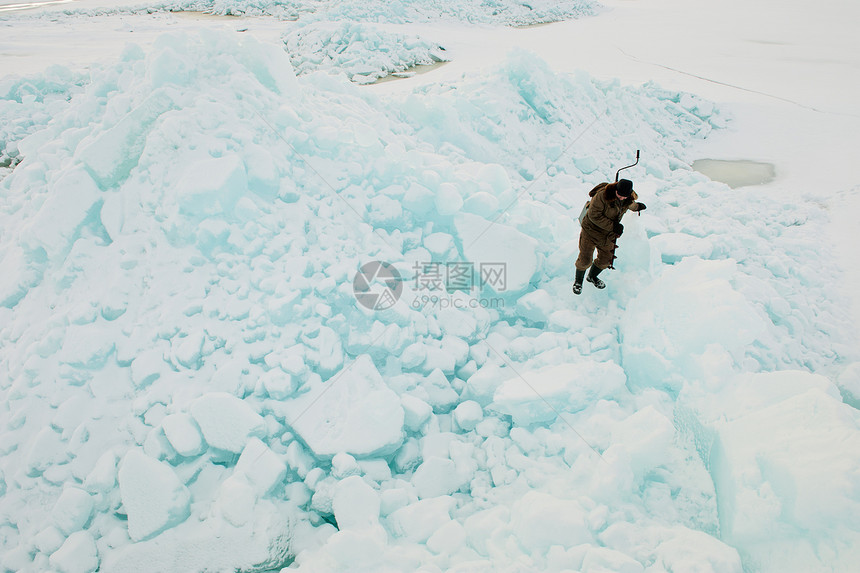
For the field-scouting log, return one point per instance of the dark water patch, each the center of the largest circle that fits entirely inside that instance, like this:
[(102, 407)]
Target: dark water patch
[(737, 172)]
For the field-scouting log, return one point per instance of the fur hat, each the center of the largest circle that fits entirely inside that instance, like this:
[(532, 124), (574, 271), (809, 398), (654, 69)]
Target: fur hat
[(624, 188)]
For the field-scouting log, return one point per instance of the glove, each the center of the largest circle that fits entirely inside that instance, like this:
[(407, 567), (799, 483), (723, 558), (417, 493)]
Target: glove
[(642, 207), (618, 228)]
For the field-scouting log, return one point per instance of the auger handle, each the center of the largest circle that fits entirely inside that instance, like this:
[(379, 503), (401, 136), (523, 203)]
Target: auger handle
[(628, 167)]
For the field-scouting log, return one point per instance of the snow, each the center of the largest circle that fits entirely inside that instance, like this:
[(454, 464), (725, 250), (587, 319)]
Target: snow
[(416, 412), (227, 423), (183, 434), (356, 504), (417, 521), (468, 414), (354, 412), (152, 495), (73, 510), (103, 475), (682, 318), (209, 544), (434, 477), (448, 539), (261, 467), (689, 550), (78, 554), (541, 521), (189, 383), (344, 465), (496, 244), (673, 247), (539, 396), (849, 384), (536, 306), (212, 185)]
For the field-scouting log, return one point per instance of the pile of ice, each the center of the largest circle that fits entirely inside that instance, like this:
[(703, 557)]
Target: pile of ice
[(493, 12), (27, 106), (187, 381), (497, 12), (363, 52)]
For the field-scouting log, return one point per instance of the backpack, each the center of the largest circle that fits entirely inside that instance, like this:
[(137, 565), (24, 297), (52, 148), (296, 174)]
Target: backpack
[(591, 193)]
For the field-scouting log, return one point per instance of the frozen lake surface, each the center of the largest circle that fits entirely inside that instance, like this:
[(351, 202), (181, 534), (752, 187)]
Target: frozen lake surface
[(11, 5), (736, 173)]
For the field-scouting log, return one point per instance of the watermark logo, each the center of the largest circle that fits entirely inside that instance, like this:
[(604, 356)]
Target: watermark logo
[(421, 302), (460, 276), (495, 275), (377, 285), (443, 284)]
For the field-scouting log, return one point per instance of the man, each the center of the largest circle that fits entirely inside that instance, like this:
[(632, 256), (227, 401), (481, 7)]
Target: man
[(601, 226)]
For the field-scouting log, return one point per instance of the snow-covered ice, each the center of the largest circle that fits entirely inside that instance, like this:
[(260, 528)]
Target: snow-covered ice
[(189, 382), (152, 495), (355, 413), (226, 421), (362, 52), (78, 554)]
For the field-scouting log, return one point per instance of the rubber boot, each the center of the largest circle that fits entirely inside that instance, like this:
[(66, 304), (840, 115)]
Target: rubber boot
[(592, 277), (577, 283)]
